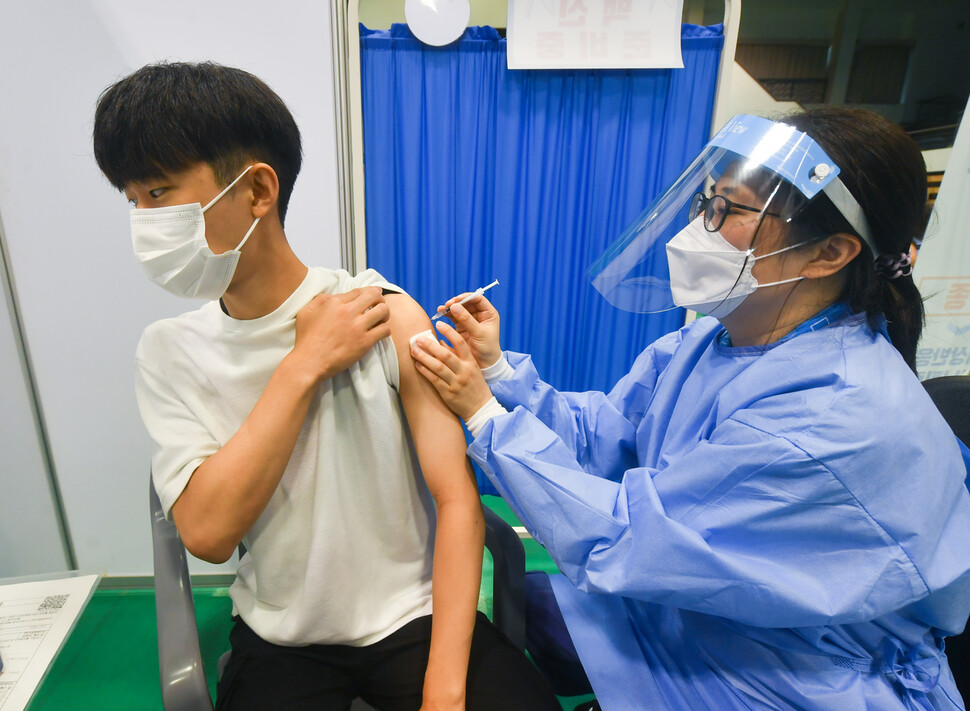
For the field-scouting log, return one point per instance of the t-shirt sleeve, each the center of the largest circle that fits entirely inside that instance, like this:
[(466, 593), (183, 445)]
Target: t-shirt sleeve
[(384, 348), (180, 443), (368, 277)]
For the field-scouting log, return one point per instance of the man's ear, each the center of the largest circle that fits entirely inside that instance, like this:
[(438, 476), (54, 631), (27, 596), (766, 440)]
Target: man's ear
[(831, 255), (266, 189)]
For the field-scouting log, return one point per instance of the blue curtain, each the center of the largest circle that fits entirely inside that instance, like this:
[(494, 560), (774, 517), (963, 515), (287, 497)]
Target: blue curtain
[(475, 172)]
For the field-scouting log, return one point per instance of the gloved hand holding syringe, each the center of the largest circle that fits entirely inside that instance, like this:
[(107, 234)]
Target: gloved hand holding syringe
[(479, 326), (477, 292)]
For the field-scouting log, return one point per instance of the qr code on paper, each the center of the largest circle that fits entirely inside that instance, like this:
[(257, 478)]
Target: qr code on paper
[(53, 602)]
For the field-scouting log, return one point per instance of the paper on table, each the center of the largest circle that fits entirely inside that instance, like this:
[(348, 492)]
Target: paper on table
[(36, 617)]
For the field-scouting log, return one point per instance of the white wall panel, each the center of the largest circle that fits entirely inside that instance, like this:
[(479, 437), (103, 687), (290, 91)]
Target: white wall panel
[(30, 532), (84, 299)]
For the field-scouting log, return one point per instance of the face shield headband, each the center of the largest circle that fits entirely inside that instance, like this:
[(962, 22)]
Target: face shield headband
[(752, 169)]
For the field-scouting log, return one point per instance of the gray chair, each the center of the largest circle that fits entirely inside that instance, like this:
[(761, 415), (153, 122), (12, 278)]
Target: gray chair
[(951, 395), (180, 665)]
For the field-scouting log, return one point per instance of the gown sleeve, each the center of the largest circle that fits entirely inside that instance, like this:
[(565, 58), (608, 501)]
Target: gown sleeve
[(745, 526), (599, 430)]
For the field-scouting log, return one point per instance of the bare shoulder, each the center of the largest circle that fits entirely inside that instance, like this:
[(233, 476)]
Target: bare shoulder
[(407, 318)]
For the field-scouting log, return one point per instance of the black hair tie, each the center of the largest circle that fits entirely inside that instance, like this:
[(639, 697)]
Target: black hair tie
[(893, 267)]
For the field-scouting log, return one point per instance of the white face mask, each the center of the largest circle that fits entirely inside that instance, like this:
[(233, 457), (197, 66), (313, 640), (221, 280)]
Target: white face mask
[(171, 246), (710, 275)]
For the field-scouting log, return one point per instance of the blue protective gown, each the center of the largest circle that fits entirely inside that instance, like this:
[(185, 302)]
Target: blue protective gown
[(780, 527)]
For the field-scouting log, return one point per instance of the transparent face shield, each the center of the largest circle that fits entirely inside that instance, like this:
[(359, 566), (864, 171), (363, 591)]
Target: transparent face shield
[(752, 179)]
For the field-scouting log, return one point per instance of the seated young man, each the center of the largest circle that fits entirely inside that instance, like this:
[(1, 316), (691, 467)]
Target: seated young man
[(286, 413)]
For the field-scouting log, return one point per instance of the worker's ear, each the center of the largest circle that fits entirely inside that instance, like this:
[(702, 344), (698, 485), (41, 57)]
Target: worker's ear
[(265, 189), (831, 255)]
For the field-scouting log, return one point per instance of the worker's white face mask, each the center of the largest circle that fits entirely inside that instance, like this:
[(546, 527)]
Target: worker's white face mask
[(171, 246), (710, 275)]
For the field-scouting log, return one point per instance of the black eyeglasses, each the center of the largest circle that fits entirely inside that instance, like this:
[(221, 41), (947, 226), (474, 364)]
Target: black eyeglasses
[(716, 208)]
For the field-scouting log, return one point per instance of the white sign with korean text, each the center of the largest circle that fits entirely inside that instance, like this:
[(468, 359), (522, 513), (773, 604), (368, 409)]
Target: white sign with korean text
[(594, 34), (942, 270)]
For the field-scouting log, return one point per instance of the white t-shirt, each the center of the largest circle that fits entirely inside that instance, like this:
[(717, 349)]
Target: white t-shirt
[(342, 553)]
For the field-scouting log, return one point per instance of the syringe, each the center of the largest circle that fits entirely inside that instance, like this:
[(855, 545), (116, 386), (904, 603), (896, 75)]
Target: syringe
[(477, 292)]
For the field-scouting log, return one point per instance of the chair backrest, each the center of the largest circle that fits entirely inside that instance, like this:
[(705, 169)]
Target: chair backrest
[(508, 583), (951, 394), (180, 668)]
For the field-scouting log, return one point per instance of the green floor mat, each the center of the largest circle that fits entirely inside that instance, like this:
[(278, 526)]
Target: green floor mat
[(110, 661)]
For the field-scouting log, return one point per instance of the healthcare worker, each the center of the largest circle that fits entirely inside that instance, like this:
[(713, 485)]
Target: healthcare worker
[(767, 512)]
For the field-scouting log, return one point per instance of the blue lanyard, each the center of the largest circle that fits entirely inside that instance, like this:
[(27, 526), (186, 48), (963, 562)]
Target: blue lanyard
[(826, 317)]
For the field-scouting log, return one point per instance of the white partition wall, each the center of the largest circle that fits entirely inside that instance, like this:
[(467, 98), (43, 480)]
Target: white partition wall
[(32, 538), (83, 298)]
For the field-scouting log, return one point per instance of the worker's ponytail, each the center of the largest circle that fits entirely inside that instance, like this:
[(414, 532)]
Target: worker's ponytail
[(884, 170)]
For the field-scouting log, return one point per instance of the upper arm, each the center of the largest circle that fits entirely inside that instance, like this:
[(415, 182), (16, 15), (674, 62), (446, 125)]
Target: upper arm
[(436, 431)]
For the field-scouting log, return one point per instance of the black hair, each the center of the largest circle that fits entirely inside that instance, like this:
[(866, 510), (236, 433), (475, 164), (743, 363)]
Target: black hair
[(884, 170), (165, 117)]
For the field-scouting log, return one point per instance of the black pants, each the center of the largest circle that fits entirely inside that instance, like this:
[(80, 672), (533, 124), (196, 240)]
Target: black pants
[(389, 674)]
